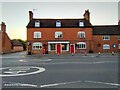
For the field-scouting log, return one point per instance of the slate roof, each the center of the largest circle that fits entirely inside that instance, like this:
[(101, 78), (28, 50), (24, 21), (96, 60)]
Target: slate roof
[(65, 23), (16, 43), (106, 30)]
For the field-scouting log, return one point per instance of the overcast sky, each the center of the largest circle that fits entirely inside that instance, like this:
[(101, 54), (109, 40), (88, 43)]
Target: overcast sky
[(15, 14)]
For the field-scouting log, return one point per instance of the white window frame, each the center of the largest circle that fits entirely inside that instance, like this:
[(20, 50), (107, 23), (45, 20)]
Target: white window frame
[(37, 44), (81, 24), (119, 46), (106, 46), (49, 47), (118, 37), (67, 46), (82, 45), (58, 23), (81, 34), (37, 34), (106, 37), (58, 33), (37, 23)]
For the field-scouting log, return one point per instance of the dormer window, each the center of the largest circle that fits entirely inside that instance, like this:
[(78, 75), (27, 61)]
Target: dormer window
[(58, 23), (37, 23), (81, 24)]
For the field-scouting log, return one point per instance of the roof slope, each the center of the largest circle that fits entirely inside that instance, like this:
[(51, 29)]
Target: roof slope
[(16, 43), (106, 30), (65, 23)]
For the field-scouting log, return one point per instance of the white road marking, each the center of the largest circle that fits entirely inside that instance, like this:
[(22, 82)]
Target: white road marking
[(47, 60), (8, 72), (56, 84), (96, 62), (113, 84), (40, 69), (22, 60), (18, 84)]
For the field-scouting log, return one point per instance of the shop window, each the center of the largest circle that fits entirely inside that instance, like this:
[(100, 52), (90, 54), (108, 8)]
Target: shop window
[(52, 47), (81, 45), (37, 46), (65, 47)]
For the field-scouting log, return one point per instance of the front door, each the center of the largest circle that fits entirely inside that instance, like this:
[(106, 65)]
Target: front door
[(58, 48), (72, 48)]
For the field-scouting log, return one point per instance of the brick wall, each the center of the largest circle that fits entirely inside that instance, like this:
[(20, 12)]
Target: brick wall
[(97, 39)]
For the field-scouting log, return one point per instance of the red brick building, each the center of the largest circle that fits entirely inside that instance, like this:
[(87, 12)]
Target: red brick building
[(16, 46), (5, 42), (59, 36), (7, 45)]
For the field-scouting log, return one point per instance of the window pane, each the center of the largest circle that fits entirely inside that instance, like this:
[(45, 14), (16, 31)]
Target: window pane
[(106, 37), (64, 46), (81, 24), (37, 24), (58, 34), (37, 34), (58, 24), (106, 46), (81, 34), (81, 45), (53, 46), (37, 46)]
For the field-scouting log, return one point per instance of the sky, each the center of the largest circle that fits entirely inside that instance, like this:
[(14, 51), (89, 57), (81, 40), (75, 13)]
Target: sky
[(16, 14)]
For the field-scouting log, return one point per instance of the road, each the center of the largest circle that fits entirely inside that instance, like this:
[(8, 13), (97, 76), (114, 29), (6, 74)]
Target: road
[(64, 71)]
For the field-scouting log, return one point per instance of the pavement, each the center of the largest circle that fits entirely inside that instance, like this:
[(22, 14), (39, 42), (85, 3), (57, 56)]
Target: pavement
[(64, 71)]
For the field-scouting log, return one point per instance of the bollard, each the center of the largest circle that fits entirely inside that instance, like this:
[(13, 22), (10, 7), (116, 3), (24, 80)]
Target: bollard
[(72, 54), (112, 53), (99, 53), (85, 53)]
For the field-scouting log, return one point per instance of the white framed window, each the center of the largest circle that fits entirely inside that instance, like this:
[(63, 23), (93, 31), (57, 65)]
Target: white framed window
[(58, 23), (37, 46), (106, 46), (118, 37), (37, 23), (81, 24), (106, 37), (52, 47), (65, 46), (81, 45), (58, 35), (37, 34), (81, 34), (118, 46)]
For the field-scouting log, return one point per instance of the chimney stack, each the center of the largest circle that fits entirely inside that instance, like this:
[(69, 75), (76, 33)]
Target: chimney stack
[(30, 15), (3, 27), (87, 15)]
